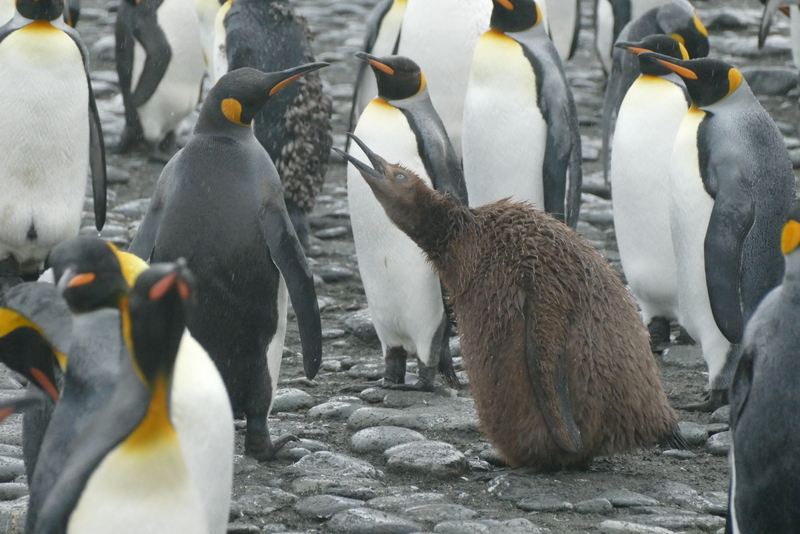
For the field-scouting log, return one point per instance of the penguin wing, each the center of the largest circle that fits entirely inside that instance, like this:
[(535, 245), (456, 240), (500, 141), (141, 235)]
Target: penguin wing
[(145, 239), (158, 54), (576, 30), (286, 252), (740, 387), (97, 148), (435, 149), (549, 376), (732, 217)]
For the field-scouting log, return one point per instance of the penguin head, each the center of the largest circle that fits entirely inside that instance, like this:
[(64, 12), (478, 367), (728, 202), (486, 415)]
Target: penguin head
[(398, 77), (659, 43), (395, 187), (88, 272), (511, 16), (790, 238), (679, 21), (707, 80), (35, 333), (40, 9), (159, 307), (239, 95)]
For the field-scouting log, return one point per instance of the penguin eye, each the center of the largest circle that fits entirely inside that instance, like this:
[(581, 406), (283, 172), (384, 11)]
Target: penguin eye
[(400, 176)]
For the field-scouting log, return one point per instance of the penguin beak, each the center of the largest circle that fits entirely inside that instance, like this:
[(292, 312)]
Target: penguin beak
[(672, 64), (179, 278), (506, 4), (378, 169), (282, 79), (631, 47), (375, 63), (46, 380)]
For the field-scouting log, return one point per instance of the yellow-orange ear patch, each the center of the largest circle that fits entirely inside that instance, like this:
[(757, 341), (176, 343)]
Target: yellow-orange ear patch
[(734, 80), (232, 109), (678, 37), (699, 25), (790, 237), (684, 52)]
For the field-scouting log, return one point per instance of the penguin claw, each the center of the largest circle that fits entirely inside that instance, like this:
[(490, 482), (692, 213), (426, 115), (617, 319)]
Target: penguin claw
[(714, 400), (271, 448)]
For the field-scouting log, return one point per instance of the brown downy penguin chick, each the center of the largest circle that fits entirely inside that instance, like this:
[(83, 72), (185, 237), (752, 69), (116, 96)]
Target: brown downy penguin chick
[(558, 360)]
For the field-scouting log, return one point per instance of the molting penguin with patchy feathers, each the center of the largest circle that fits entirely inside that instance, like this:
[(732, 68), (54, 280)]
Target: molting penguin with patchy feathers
[(558, 360)]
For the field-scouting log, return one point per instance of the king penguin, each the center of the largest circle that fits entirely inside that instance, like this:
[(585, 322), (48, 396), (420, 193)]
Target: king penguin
[(127, 472), (160, 66), (207, 15), (440, 37), (648, 122), (50, 136), (403, 291), (96, 279), (791, 9), (247, 254), (381, 39), (610, 18), (676, 19), (294, 126), (564, 23), (732, 185), (521, 136), (765, 406)]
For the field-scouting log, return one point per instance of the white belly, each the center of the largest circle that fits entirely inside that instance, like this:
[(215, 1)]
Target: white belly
[(440, 36), (384, 45), (201, 412), (402, 289), (275, 348), (794, 27), (561, 16), (44, 140), (604, 34), (144, 491), (206, 15), (648, 121), (219, 56), (690, 212), (179, 91), (7, 11), (504, 132)]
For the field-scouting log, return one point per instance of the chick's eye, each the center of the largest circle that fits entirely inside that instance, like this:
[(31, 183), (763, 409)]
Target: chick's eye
[(400, 176)]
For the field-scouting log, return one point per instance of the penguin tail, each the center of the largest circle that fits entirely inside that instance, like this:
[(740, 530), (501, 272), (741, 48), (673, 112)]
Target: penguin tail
[(675, 440), (448, 372)]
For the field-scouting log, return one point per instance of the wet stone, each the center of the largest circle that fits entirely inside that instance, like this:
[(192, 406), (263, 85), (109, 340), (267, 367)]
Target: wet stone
[(366, 371), (437, 513), (366, 521), (334, 410), (322, 507), (687, 356), (351, 487), (594, 506), (12, 491), (398, 503), (722, 415), (373, 395), (331, 464), (259, 501), (427, 457), (716, 428), (11, 431), (625, 499), (238, 527), (679, 494), (333, 333), (545, 503), (360, 324), (291, 400), (693, 433), (487, 526), (333, 233), (770, 80), (11, 468), (719, 444), (680, 521), (406, 399), (717, 503), (380, 438), (679, 454), (335, 273), (459, 416), (626, 527)]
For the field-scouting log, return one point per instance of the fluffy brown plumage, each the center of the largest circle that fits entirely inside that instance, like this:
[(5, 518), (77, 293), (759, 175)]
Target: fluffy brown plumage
[(538, 309)]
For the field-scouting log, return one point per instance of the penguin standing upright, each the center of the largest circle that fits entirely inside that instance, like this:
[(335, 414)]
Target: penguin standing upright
[(382, 35), (791, 9), (610, 18), (403, 291), (765, 406), (648, 122), (564, 24), (160, 66), (246, 256), (676, 19), (440, 37), (294, 126), (731, 185), (50, 135), (95, 275), (126, 472), (207, 15), (521, 136)]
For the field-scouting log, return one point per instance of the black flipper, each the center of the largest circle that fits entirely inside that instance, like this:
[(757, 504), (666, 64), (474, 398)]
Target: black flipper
[(731, 219), (577, 29), (145, 239), (286, 252), (740, 387), (550, 382), (152, 38)]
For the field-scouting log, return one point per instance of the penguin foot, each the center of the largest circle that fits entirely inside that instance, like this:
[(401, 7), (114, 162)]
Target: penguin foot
[(166, 149), (427, 377), (659, 333), (263, 449), (419, 385), (716, 399), (683, 338), (129, 138), (9, 274)]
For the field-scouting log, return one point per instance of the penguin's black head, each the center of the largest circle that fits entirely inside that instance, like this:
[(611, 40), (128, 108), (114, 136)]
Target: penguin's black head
[(89, 273), (40, 9), (398, 77), (510, 16), (707, 80), (160, 305), (35, 333), (790, 238), (660, 43), (238, 96), (680, 22)]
